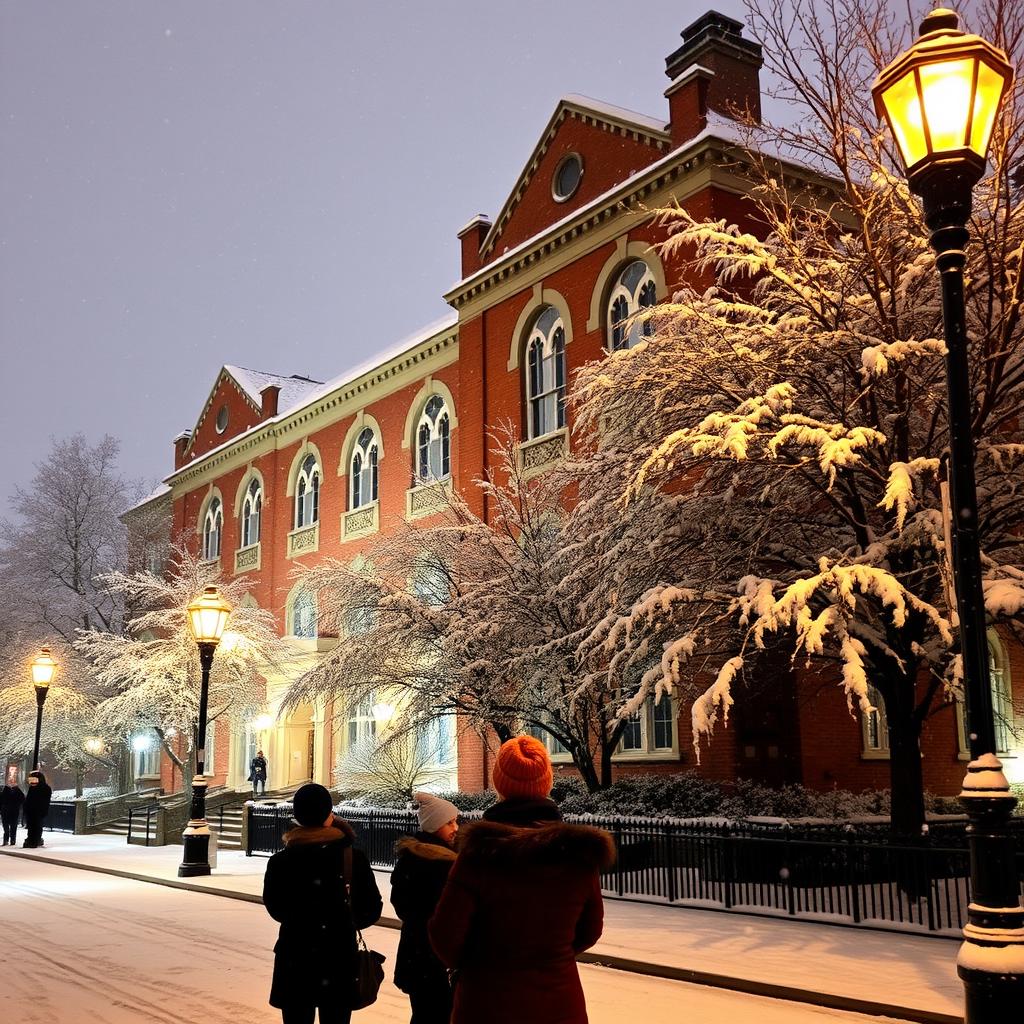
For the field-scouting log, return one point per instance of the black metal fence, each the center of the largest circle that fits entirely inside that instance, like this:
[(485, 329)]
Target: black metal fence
[(814, 874), (61, 816), (142, 823)]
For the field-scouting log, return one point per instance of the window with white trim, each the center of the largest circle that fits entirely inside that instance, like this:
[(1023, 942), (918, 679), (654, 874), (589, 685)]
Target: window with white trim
[(874, 725), (433, 441), (1002, 702), (545, 374), (252, 509), (304, 615), (361, 723), (634, 290), (363, 490), (554, 745), (213, 525), (307, 493), (652, 729)]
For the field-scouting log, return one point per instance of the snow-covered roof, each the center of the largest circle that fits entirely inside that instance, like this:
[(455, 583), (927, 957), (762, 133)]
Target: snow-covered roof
[(314, 391), (614, 113), (158, 492), (254, 381)]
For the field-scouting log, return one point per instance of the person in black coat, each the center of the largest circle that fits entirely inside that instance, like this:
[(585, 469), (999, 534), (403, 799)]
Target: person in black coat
[(304, 889), (12, 800), (417, 882), (37, 806), (258, 773)]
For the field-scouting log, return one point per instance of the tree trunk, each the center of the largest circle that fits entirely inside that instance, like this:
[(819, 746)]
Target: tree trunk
[(79, 782), (905, 777), (583, 758)]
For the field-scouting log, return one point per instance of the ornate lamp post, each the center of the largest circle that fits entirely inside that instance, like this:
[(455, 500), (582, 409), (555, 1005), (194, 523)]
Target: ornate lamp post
[(207, 617), (941, 98), (43, 671)]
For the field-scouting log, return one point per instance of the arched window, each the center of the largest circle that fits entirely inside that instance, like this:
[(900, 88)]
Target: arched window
[(304, 615), (307, 493), (433, 441), (545, 351), (364, 469), (212, 527), (1002, 698), (633, 291), (252, 509)]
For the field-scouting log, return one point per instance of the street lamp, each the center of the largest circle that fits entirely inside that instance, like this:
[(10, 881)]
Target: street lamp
[(207, 617), (941, 99), (43, 670)]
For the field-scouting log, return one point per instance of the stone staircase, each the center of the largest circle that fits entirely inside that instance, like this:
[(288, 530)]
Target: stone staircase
[(119, 827), (229, 834)]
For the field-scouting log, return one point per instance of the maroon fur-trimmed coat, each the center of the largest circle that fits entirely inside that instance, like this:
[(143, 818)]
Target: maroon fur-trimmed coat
[(520, 903)]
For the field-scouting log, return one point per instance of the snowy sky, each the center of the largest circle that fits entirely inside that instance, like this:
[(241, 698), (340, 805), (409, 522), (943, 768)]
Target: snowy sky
[(276, 185)]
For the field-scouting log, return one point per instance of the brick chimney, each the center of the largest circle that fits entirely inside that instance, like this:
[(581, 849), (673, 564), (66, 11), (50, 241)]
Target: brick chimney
[(472, 237), (268, 401), (180, 444), (715, 70)]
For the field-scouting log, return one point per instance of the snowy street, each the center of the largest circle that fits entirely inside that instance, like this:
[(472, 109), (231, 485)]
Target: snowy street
[(80, 946)]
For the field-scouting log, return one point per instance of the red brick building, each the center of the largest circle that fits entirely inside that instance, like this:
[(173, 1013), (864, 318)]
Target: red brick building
[(279, 470)]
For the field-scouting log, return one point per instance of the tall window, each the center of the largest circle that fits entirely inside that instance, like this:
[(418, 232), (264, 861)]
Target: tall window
[(433, 441), (304, 615), (252, 509), (364, 469), (545, 350), (307, 493), (652, 729), (1002, 699), (874, 726), (634, 291), (212, 526), (361, 723)]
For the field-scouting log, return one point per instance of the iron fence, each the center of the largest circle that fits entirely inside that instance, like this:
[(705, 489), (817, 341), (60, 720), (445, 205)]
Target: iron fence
[(813, 874)]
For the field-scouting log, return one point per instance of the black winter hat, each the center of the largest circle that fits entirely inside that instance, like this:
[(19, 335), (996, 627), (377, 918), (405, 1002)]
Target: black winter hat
[(311, 804)]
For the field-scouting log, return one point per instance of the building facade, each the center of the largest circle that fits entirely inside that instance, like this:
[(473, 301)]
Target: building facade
[(282, 470)]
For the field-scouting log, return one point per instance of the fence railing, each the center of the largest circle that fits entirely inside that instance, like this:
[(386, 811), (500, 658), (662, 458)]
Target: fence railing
[(142, 822), (813, 875)]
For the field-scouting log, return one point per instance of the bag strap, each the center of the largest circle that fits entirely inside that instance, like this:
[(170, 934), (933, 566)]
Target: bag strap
[(346, 878)]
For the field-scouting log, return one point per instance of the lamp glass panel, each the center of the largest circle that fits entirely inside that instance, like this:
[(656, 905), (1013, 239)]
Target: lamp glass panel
[(903, 105), (43, 669), (947, 88), (986, 106), (208, 620)]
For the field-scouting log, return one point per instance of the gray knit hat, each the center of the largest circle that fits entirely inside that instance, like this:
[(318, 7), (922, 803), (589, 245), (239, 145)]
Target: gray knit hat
[(433, 811)]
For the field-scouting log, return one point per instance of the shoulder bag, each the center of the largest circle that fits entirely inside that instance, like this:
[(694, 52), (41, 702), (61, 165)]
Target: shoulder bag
[(369, 970)]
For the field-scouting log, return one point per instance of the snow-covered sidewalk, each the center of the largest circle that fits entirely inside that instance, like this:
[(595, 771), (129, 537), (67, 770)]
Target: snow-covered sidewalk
[(833, 964)]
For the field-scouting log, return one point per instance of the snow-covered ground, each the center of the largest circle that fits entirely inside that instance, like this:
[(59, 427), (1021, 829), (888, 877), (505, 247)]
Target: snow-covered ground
[(898, 969), (80, 946)]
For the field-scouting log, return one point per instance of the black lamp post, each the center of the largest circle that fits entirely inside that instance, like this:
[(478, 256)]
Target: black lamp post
[(43, 669), (941, 98), (207, 616)]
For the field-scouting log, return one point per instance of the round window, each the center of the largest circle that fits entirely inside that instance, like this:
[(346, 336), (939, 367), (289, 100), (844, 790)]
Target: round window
[(222, 419), (567, 177)]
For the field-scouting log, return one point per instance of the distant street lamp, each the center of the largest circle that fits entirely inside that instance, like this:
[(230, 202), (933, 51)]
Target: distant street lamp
[(383, 712), (207, 617), (941, 99), (93, 745), (43, 671)]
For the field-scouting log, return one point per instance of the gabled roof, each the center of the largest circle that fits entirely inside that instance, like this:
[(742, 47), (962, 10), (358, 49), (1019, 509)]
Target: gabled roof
[(615, 118)]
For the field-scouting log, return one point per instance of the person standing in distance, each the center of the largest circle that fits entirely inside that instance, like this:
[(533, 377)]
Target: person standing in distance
[(37, 806), (12, 800), (417, 881), (522, 899), (304, 890), (258, 773)]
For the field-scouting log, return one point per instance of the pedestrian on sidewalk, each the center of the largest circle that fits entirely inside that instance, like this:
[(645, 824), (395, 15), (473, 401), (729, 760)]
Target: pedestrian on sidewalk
[(417, 881), (304, 889), (522, 899), (37, 806), (258, 773), (12, 800)]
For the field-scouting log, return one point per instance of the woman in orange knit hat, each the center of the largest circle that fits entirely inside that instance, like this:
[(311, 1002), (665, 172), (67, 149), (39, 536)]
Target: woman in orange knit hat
[(523, 898)]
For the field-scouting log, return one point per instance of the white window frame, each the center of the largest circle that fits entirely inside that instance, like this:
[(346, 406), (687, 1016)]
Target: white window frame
[(302, 601), (1002, 704), (146, 763), (433, 442), (307, 492), (213, 529), (364, 470), (626, 300), (646, 750), (874, 729), (252, 513), (360, 724), (545, 369)]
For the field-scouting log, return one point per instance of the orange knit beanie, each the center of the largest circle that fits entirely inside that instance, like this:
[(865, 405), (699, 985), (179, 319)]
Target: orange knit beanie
[(522, 769)]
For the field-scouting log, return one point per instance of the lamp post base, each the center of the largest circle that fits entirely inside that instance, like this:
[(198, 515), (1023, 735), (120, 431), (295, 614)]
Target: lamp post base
[(195, 839)]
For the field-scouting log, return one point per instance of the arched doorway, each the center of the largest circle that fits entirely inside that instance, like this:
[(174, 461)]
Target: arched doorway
[(299, 745)]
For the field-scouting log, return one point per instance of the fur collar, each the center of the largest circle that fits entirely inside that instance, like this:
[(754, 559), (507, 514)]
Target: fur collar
[(340, 831), (557, 843), (425, 849)]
